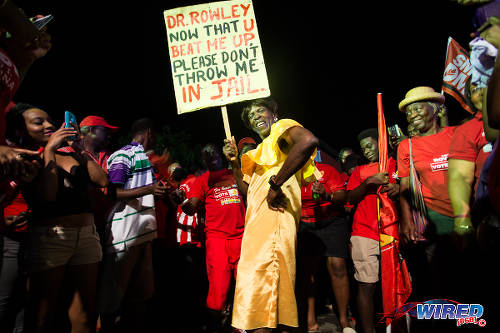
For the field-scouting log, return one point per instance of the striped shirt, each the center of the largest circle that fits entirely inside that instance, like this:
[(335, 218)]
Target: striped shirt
[(187, 225), (131, 222)]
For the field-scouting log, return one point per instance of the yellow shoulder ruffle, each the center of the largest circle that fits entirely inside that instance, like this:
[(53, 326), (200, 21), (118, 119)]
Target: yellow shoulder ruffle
[(268, 153)]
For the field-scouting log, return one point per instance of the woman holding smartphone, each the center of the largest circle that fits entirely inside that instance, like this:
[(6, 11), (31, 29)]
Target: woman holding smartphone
[(62, 243)]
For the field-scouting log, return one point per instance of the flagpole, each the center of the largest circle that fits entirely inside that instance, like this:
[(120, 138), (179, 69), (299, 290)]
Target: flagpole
[(382, 164), (445, 59)]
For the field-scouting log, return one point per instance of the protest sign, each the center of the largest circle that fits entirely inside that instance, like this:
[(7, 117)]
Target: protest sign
[(215, 55), (456, 72)]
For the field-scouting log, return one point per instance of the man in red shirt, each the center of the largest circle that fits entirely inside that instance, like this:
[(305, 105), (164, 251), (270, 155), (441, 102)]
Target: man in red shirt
[(361, 192), (96, 138), (217, 192), (324, 232), (188, 226), (12, 245)]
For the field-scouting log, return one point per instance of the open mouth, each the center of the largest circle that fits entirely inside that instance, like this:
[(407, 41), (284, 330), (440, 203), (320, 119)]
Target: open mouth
[(417, 121), (260, 124)]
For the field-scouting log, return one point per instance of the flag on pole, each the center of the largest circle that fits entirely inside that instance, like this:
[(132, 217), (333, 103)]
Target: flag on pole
[(396, 284), (457, 70)]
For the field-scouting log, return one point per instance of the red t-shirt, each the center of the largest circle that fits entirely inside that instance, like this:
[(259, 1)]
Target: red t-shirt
[(345, 178), (430, 156), (186, 224), (9, 83), (469, 144), (15, 206), (365, 220), (224, 206), (101, 159), (320, 210)]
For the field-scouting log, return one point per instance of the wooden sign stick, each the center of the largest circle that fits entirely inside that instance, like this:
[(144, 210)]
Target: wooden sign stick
[(227, 129), (225, 119)]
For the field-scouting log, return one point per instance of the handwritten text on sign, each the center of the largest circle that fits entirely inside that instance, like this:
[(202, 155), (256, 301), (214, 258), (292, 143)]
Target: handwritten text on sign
[(215, 54)]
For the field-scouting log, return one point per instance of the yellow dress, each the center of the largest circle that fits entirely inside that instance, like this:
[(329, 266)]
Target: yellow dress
[(264, 294)]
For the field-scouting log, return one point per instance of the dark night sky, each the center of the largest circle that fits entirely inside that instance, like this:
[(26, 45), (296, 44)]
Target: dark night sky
[(325, 62)]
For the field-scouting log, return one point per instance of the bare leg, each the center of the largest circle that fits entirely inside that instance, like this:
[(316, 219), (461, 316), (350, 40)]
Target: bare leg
[(365, 306), (340, 284), (44, 288), (82, 311), (311, 264)]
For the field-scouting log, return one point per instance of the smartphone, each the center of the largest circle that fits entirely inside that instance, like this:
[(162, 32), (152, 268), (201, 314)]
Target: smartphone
[(395, 131), (42, 21), (68, 119), (39, 23)]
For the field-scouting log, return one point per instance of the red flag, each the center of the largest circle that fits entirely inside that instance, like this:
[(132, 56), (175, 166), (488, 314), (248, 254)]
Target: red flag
[(396, 284), (457, 70)]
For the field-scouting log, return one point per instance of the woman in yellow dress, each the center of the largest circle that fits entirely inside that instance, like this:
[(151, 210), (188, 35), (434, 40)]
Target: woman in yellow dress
[(271, 176)]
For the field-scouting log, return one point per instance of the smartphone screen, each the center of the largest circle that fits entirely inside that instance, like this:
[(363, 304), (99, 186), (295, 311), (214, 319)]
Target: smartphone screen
[(68, 119), (42, 22)]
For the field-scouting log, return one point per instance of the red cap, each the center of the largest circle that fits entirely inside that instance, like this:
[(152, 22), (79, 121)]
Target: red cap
[(244, 141), (97, 121), (9, 106)]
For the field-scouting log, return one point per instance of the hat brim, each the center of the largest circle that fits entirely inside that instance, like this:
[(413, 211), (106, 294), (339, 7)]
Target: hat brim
[(425, 97), (112, 128)]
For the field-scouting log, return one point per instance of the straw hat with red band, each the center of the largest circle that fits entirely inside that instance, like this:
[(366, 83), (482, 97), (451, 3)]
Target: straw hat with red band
[(420, 94), (97, 121)]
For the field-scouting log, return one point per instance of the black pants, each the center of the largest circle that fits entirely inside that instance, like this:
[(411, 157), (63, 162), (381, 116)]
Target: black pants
[(12, 284)]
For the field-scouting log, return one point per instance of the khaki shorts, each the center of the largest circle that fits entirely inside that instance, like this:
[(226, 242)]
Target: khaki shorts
[(366, 258), (51, 247)]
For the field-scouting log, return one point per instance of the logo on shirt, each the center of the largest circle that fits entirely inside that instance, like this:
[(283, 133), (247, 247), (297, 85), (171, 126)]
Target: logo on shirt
[(185, 188), (227, 195), (440, 163)]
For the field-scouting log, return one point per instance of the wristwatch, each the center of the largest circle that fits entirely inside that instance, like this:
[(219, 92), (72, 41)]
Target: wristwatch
[(273, 185)]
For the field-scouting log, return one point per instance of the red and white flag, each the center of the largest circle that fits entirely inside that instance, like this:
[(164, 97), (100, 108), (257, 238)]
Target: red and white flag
[(457, 70)]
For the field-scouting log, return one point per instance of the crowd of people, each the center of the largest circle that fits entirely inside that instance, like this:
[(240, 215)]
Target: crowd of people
[(86, 231)]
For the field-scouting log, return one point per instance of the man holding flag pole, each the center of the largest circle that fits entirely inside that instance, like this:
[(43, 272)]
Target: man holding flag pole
[(374, 237)]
